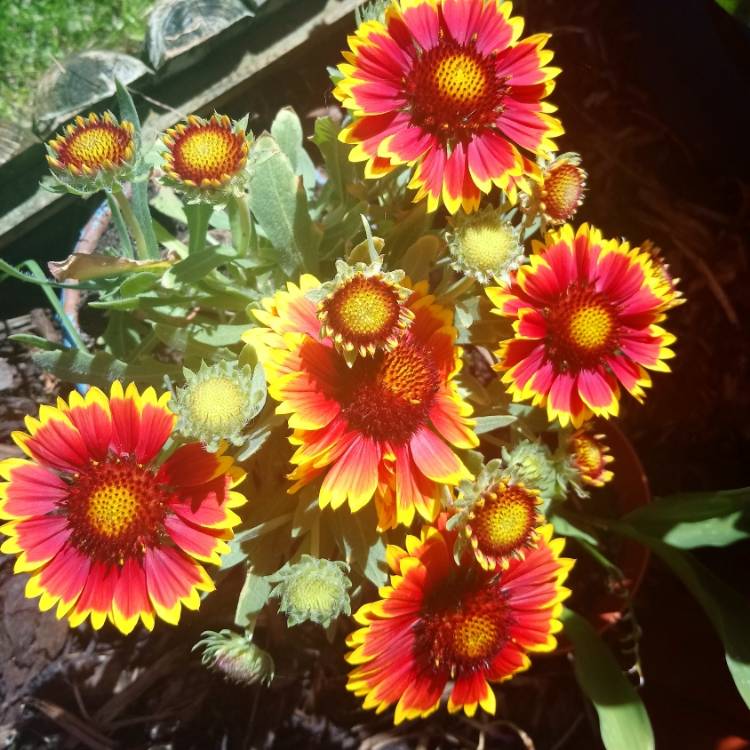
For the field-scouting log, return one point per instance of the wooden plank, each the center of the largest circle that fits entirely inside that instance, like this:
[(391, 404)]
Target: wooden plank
[(241, 64)]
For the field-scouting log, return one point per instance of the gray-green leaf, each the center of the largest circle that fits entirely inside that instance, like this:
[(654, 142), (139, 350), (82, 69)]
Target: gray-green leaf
[(623, 721)]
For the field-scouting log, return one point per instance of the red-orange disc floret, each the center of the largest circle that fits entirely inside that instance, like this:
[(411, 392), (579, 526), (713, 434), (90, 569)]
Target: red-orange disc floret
[(591, 457), (365, 311), (116, 509), (94, 144), (503, 523), (390, 397), (205, 154)]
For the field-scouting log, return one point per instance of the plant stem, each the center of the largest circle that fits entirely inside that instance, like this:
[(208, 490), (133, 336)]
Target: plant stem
[(122, 230), (239, 219), (69, 326), (141, 247), (198, 215), (315, 538)]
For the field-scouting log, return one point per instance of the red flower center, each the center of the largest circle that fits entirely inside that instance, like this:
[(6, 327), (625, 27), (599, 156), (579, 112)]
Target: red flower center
[(454, 91), (562, 192), (99, 145), (365, 310), (582, 328), (505, 519), (462, 627), (388, 397), (115, 509), (207, 152)]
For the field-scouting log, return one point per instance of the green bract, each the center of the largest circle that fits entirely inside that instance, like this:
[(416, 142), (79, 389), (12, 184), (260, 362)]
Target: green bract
[(238, 658), (532, 463), (218, 401), (486, 246), (313, 589)]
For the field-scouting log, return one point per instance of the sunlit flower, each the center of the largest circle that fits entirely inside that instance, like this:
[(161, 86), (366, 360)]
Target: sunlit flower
[(498, 516), (585, 317), (485, 246), (313, 589), (206, 158), (660, 278), (385, 427), (556, 189), (218, 401), (236, 657), (440, 622), (590, 457), (363, 310), (93, 153), (447, 87), (105, 529)]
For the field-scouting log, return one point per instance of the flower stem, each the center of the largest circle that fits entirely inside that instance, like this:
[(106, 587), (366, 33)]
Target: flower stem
[(315, 538), (198, 216), (122, 230), (141, 247), (69, 325), (239, 220)]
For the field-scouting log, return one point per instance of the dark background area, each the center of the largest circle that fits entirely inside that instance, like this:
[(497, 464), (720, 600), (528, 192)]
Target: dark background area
[(652, 95)]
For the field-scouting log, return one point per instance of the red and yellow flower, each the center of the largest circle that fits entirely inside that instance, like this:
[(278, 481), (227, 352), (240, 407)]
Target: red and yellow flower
[(586, 320), (206, 158), (107, 530), (449, 88), (93, 153), (590, 457), (660, 277), (363, 309), (502, 523), (385, 426), (440, 622), (556, 189)]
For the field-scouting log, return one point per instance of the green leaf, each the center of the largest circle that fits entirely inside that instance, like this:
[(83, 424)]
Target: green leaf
[(253, 598), (121, 335), (8, 271), (140, 187), (287, 130), (740, 9), (623, 721), (278, 202), (492, 422), (357, 537), (85, 266), (728, 611), (167, 202), (340, 169), (196, 266), (565, 527), (30, 340), (138, 283), (75, 366), (696, 519)]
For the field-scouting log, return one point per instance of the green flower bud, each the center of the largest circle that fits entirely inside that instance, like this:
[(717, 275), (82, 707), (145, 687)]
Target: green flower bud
[(533, 464), (485, 246), (238, 658), (217, 402), (313, 589)]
